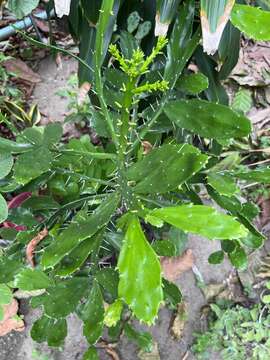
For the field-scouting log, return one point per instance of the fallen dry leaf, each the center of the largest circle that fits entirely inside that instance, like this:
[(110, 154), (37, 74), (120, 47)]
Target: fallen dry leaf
[(173, 267), (213, 290), (30, 249), (113, 354), (147, 147), (179, 321), (22, 70), (11, 321), (83, 92)]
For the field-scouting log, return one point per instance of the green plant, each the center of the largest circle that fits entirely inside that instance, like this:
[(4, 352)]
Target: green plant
[(237, 332), (92, 207)]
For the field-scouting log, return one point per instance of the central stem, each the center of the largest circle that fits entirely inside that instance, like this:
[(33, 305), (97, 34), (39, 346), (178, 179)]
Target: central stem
[(123, 139)]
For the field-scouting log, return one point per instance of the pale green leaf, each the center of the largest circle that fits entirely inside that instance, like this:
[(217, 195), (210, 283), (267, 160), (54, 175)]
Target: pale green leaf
[(113, 313), (3, 209), (223, 183), (6, 163)]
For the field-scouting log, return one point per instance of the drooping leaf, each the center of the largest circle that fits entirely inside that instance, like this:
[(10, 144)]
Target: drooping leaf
[(113, 313), (165, 168), (63, 298), (223, 183), (93, 314), (202, 220), (140, 274), (32, 279), (215, 121), (214, 17), (172, 294), (252, 21), (53, 331), (238, 258), (193, 84), (80, 229), (6, 163), (3, 209), (142, 339)]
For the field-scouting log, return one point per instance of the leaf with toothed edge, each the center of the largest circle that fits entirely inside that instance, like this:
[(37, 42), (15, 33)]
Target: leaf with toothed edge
[(80, 229), (202, 220), (165, 168), (53, 331), (32, 279), (140, 274)]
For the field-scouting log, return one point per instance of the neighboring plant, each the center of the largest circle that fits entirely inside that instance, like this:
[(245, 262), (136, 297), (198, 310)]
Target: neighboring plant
[(237, 332), (7, 89), (93, 208)]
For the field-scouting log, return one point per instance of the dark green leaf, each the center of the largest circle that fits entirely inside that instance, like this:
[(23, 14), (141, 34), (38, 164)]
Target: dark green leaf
[(91, 354), (238, 258), (142, 339), (32, 279), (223, 183), (192, 84), (216, 257), (172, 294), (3, 209), (108, 278), (164, 248), (6, 163), (8, 269), (50, 330)]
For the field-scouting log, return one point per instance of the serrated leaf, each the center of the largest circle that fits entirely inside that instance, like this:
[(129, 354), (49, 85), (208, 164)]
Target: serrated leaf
[(8, 268), (165, 168), (193, 83), (32, 279), (32, 164), (3, 209), (223, 183), (53, 331), (242, 101), (142, 338), (216, 257), (63, 298), (140, 274), (80, 229), (253, 22), (202, 220), (113, 313), (93, 314), (259, 175), (215, 121), (214, 17), (6, 163)]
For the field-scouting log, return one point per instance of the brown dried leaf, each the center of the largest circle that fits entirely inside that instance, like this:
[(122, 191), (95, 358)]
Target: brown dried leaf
[(22, 70), (83, 92), (11, 321), (179, 321), (173, 267), (147, 147), (30, 249), (213, 290), (113, 354)]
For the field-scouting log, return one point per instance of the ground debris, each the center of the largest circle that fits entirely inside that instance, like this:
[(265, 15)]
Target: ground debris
[(173, 267)]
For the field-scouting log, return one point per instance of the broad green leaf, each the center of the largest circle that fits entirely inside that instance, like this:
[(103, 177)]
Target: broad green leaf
[(164, 248), (252, 241), (259, 175), (8, 269), (32, 279), (215, 121), (216, 257), (166, 168), (6, 163), (113, 313), (40, 202), (52, 134), (253, 22), (13, 147), (182, 43), (227, 245), (202, 220), (108, 279), (3, 209), (142, 338), (223, 183), (91, 354), (80, 229), (53, 331), (5, 294), (172, 294), (238, 258), (193, 83), (77, 257), (214, 17), (22, 8), (179, 238), (140, 274), (32, 164), (63, 298), (93, 314)]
